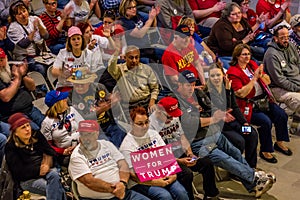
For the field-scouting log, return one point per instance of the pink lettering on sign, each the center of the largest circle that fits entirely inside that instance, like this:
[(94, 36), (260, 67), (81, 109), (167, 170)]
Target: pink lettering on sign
[(154, 163)]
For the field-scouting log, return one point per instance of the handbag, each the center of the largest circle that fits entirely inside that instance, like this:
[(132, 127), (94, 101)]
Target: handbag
[(261, 103)]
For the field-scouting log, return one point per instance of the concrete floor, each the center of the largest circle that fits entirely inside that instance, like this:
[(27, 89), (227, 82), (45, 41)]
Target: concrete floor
[(287, 172)]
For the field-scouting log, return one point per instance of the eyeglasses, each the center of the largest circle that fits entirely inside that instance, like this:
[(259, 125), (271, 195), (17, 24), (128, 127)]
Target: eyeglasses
[(52, 4), (131, 7), (215, 75), (143, 123), (246, 54), (246, 3), (236, 14)]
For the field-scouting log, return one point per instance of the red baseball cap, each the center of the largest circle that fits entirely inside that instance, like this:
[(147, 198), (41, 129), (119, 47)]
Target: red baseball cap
[(2, 53), (170, 105), (88, 126)]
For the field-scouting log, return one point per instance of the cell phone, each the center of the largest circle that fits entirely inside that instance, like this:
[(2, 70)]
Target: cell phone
[(246, 129), (194, 159)]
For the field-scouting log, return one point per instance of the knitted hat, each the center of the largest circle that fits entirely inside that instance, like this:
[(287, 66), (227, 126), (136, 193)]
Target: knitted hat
[(16, 120)]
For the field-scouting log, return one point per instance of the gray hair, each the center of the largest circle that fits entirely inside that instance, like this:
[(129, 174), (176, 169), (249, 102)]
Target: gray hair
[(131, 48), (229, 8)]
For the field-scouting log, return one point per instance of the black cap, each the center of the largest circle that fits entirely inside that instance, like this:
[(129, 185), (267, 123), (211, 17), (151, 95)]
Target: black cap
[(187, 76), (182, 31)]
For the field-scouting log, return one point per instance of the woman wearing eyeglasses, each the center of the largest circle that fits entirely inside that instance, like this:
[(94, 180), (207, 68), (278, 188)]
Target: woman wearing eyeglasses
[(235, 126), (230, 30), (60, 125), (28, 34), (140, 138), (250, 85), (55, 22)]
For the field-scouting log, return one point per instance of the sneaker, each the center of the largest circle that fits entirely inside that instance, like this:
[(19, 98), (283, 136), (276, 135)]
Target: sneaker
[(263, 183)]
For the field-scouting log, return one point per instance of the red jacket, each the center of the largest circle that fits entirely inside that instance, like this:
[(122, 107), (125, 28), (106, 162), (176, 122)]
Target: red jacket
[(239, 79)]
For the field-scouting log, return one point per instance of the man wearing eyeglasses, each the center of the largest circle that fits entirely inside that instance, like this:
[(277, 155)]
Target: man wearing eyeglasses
[(165, 120), (282, 63)]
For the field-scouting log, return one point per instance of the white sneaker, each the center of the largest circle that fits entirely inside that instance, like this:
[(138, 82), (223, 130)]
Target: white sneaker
[(264, 183)]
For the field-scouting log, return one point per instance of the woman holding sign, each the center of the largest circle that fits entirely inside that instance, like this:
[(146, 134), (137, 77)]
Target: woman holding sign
[(154, 184)]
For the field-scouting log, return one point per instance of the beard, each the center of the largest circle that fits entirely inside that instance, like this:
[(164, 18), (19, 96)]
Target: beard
[(5, 74)]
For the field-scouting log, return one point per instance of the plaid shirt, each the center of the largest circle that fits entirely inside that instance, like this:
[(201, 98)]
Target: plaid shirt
[(110, 4)]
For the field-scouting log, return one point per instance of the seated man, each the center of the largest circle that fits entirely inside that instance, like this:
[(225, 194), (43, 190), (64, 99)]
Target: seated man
[(14, 92), (181, 55), (282, 65), (207, 139), (94, 102), (136, 81), (165, 120), (98, 168)]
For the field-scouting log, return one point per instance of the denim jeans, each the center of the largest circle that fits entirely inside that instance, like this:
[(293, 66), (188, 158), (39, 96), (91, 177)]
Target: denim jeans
[(264, 120), (3, 140), (115, 134), (56, 48), (35, 66), (129, 195), (225, 60), (49, 186), (226, 156), (170, 192), (37, 118)]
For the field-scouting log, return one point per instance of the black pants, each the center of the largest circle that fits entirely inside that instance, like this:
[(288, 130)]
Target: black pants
[(206, 168)]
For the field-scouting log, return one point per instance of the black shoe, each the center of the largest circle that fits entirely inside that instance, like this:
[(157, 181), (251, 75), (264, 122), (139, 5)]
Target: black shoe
[(285, 152), (270, 160)]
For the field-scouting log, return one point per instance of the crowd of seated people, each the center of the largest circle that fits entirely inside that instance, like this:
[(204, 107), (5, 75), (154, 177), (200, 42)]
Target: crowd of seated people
[(106, 81)]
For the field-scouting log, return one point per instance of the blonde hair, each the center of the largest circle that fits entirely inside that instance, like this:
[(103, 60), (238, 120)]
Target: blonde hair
[(186, 21), (54, 110), (124, 5)]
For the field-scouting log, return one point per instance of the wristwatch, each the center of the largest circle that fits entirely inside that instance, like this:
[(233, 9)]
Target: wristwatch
[(124, 182)]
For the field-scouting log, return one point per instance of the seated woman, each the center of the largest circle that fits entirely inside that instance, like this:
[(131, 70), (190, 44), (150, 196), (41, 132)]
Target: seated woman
[(136, 27), (116, 31), (28, 34), (250, 83), (56, 24), (139, 138), (95, 43), (228, 32), (222, 97), (80, 12), (75, 55), (60, 125), (31, 159)]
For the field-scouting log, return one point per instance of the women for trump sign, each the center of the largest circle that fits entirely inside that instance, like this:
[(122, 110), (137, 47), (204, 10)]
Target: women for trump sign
[(154, 163)]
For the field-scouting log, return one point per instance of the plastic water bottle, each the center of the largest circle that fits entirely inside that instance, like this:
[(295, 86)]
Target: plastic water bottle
[(262, 26)]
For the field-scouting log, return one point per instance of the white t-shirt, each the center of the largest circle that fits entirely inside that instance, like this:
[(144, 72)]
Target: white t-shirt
[(16, 33), (61, 137), (101, 43), (80, 13), (104, 166), (66, 61), (171, 132)]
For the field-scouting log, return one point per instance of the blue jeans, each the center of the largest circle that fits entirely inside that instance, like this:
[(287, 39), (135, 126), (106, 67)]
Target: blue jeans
[(264, 120), (223, 154), (49, 186), (37, 118), (4, 133), (225, 60), (35, 66), (129, 195), (115, 134), (56, 48), (170, 192)]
